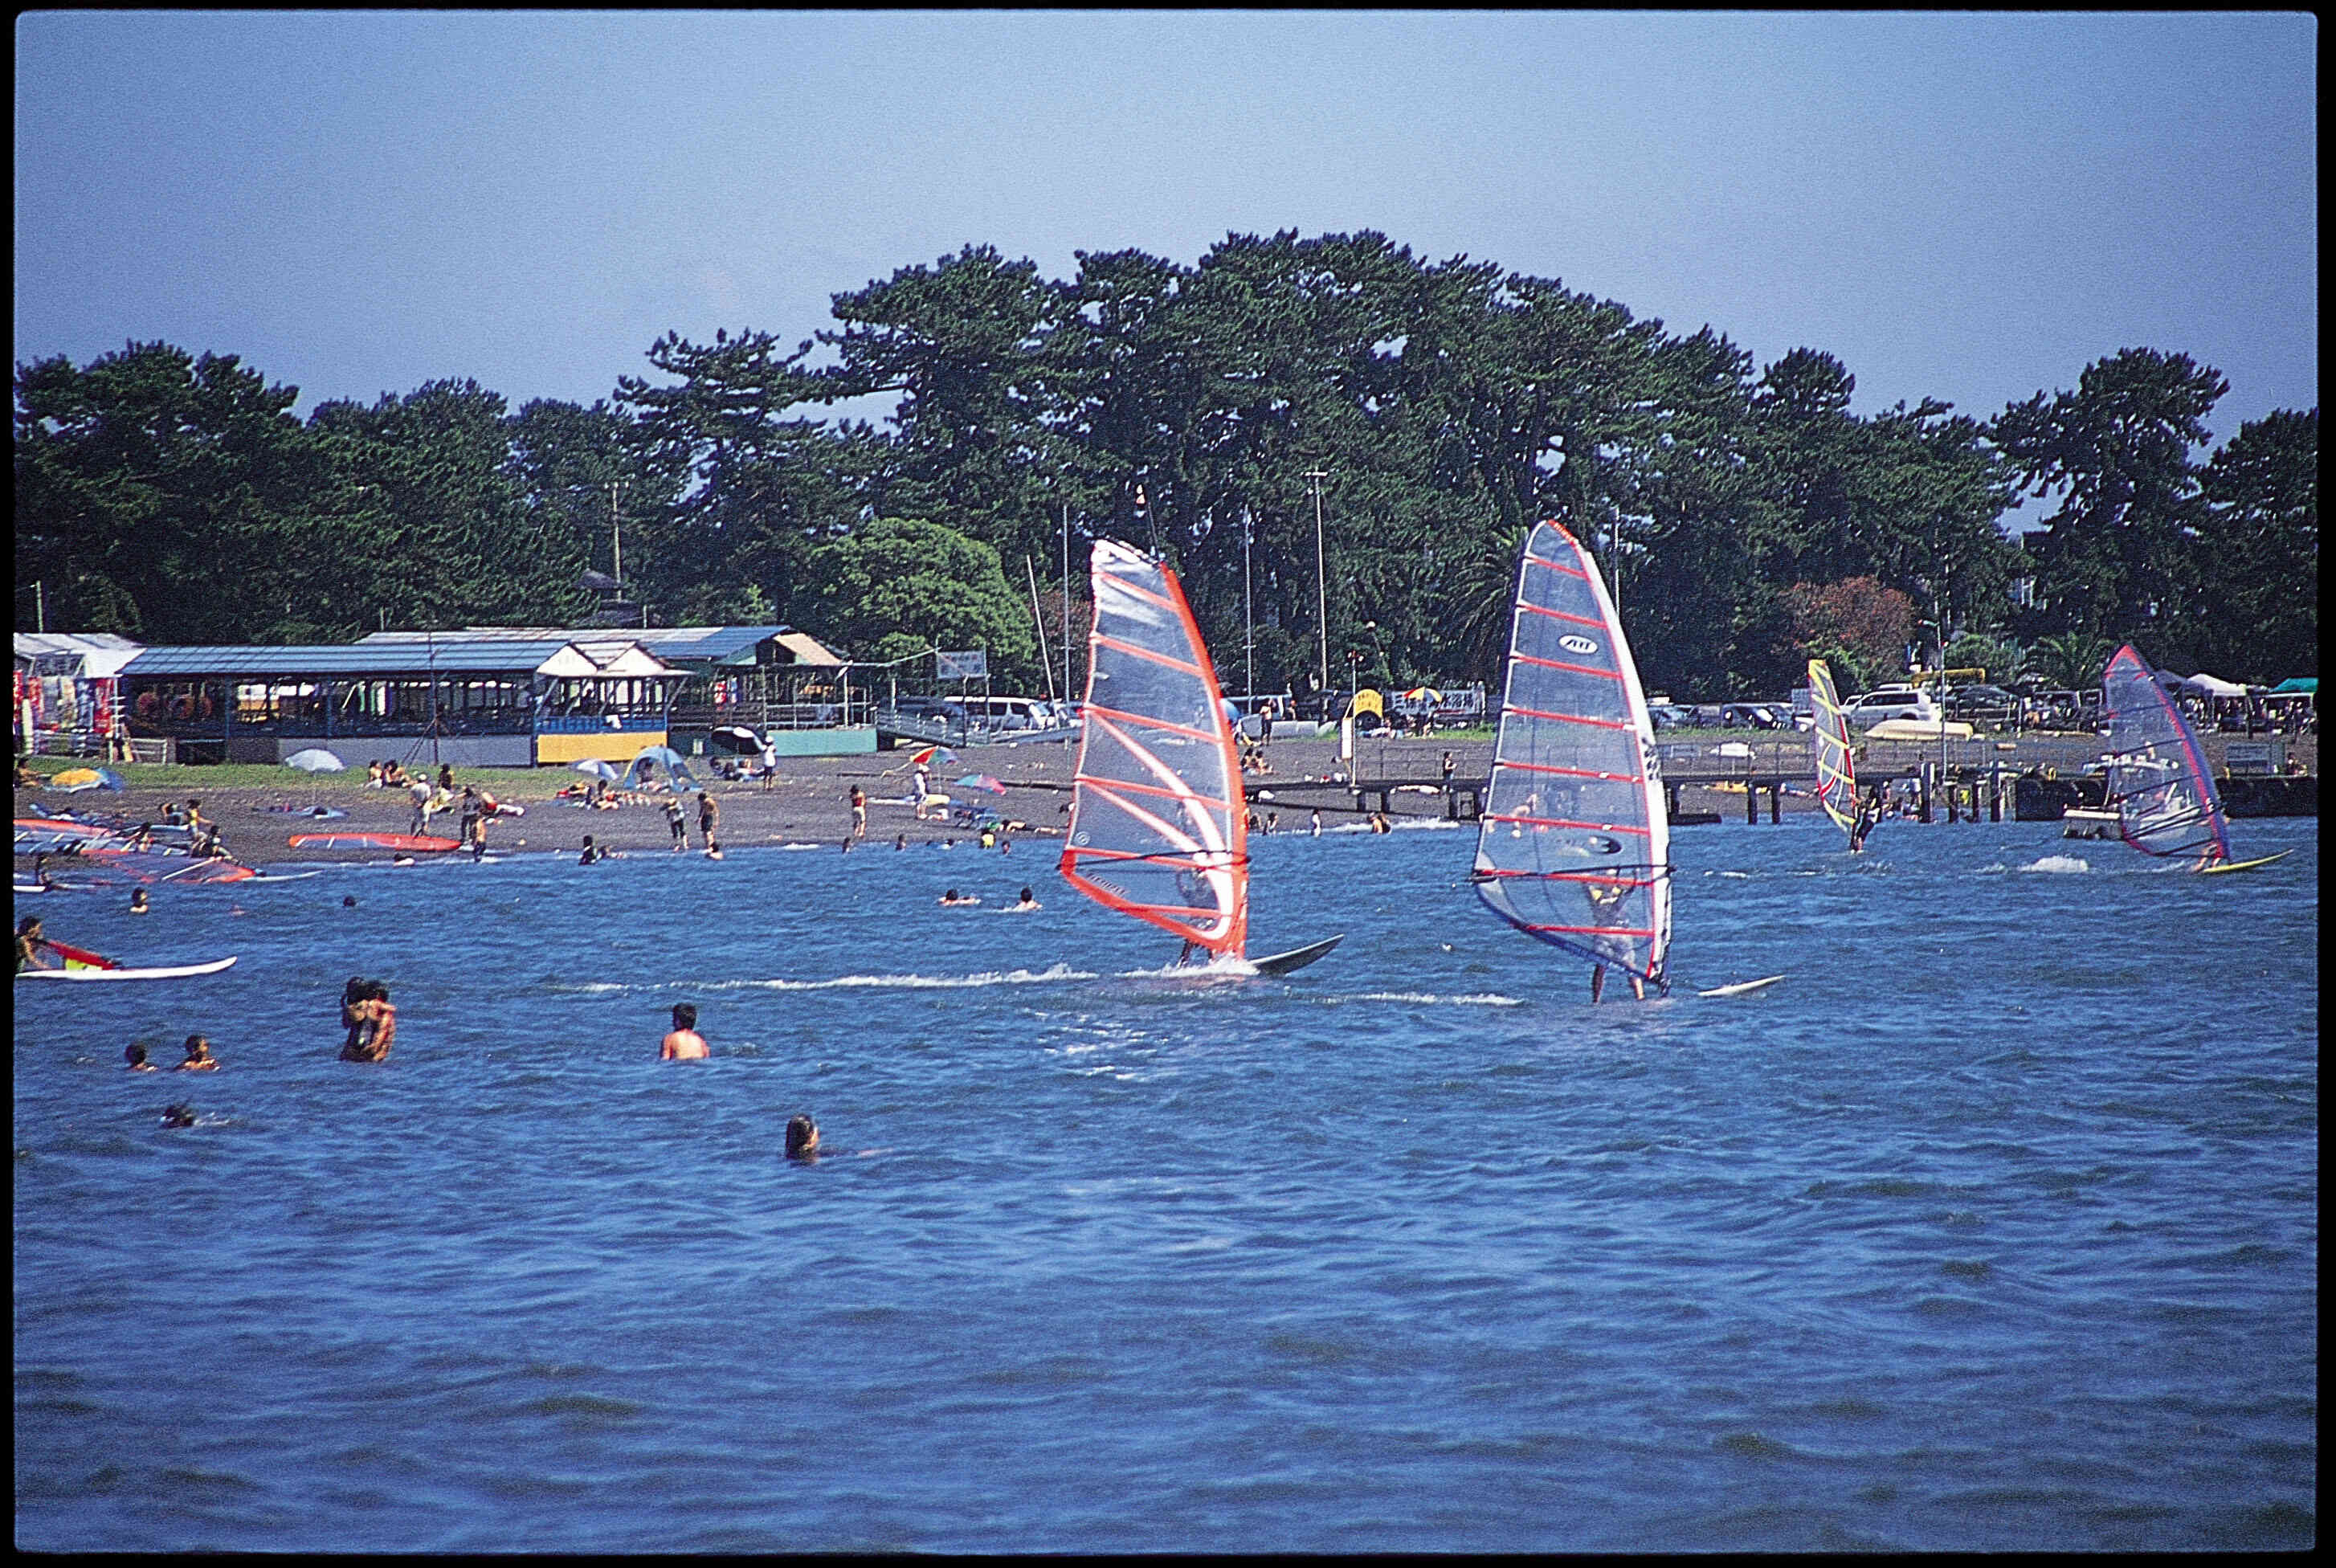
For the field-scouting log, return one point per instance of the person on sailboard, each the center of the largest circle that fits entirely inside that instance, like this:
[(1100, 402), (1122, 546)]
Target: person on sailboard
[(1869, 812), (30, 945)]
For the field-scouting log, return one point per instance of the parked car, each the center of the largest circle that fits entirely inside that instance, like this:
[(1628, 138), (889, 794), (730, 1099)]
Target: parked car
[(1889, 702), (1756, 716), (1670, 716), (1966, 701)]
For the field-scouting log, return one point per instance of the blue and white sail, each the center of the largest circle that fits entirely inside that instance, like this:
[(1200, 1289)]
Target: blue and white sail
[(1575, 845)]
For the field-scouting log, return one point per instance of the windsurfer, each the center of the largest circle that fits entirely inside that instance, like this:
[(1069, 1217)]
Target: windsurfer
[(30, 945)]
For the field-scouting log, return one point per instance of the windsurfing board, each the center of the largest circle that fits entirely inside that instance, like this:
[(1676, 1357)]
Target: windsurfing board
[(1741, 987), (2216, 871), (414, 844), (1296, 958), (167, 972)]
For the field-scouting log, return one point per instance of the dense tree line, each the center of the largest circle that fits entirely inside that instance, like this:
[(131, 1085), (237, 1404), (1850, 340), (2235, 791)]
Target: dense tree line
[(1747, 515)]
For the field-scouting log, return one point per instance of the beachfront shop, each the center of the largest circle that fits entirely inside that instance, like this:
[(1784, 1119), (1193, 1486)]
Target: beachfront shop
[(66, 698), (470, 703), (744, 688)]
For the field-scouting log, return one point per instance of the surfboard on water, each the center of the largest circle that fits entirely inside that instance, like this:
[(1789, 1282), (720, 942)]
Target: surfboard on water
[(283, 876), (1296, 958), (1158, 828), (126, 972), (2218, 870), (411, 841), (1741, 987)]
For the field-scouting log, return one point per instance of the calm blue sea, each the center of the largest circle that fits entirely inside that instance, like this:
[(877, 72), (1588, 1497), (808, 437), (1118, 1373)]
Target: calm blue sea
[(1994, 1226)]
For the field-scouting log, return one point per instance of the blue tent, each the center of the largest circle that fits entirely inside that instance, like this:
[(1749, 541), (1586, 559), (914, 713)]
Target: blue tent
[(663, 756)]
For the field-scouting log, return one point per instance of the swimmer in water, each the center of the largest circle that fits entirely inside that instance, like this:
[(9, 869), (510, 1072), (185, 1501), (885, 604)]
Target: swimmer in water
[(376, 1025), (348, 900), (1027, 901), (138, 905), (803, 1139), (685, 1044), (592, 852), (177, 1115), (136, 1057), (952, 899), (199, 1056)]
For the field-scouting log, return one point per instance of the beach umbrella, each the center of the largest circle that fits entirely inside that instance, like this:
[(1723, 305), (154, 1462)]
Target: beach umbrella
[(982, 780), (925, 756), (315, 759), (598, 769), (1422, 693)]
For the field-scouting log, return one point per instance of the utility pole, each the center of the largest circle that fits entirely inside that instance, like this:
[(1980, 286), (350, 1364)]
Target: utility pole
[(617, 534), (1249, 612), (1314, 477), (1068, 689)]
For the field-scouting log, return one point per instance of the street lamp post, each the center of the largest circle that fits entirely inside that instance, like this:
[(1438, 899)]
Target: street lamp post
[(617, 533), (1314, 478)]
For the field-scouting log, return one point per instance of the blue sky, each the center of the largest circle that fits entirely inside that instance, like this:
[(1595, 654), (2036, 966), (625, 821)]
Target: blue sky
[(1971, 207)]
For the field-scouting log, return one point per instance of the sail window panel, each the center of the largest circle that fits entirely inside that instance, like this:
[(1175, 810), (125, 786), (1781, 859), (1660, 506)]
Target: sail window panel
[(1604, 930), (1128, 683), (1546, 798), (1119, 750), (1570, 643), (1600, 748)]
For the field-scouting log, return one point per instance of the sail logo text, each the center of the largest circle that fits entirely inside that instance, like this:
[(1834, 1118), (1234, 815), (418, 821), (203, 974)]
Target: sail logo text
[(1577, 645)]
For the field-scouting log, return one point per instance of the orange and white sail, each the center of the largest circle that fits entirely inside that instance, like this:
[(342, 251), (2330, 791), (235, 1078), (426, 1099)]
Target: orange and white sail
[(1158, 818)]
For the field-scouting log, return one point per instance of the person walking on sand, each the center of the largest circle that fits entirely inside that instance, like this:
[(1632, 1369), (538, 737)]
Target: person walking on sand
[(685, 1044), (1317, 825), (673, 820), (858, 812), (469, 815), (419, 793), (709, 823)]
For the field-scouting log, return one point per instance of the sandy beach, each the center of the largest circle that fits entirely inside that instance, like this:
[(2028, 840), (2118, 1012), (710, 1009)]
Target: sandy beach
[(809, 800)]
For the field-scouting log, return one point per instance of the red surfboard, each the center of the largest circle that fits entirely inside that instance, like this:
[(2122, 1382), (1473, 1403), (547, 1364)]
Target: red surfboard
[(412, 844)]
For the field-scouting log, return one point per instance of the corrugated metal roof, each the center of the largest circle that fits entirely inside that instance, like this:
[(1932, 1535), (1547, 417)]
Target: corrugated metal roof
[(364, 659), (692, 644)]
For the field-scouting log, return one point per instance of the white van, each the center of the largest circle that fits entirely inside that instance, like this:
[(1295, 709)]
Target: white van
[(1889, 702)]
